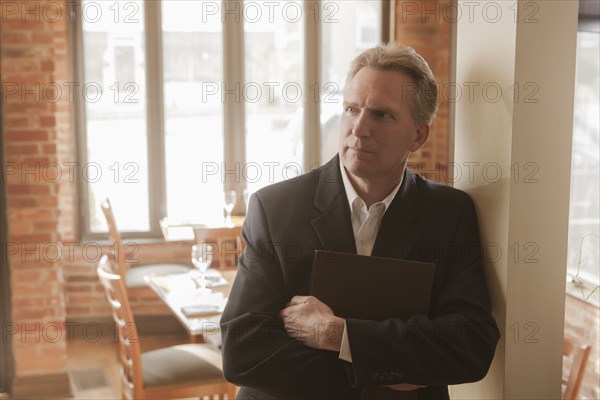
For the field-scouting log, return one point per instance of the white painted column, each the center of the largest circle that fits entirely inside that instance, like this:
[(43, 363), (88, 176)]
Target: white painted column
[(515, 71)]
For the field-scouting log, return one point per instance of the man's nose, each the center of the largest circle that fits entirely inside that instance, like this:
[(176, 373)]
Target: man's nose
[(361, 126)]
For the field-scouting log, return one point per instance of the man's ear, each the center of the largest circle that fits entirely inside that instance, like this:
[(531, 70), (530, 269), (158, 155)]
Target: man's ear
[(421, 138)]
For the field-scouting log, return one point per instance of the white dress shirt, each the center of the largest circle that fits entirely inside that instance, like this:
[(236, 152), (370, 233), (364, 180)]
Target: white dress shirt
[(365, 224)]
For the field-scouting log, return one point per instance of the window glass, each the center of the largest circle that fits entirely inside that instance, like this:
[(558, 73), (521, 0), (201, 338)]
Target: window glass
[(584, 215), (115, 110), (273, 92), (193, 107)]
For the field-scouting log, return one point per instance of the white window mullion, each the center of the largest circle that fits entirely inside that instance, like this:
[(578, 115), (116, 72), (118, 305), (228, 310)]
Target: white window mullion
[(312, 84), (388, 20), (234, 112), (155, 115)]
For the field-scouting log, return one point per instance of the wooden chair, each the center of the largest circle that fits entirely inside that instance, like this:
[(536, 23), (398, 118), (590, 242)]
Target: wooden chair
[(134, 276), (578, 356), (189, 370), (227, 241)]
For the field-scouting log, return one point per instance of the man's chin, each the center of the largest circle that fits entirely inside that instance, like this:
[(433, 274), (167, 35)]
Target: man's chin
[(359, 168)]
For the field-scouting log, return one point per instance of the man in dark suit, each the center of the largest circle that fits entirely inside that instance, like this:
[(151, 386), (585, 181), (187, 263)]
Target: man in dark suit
[(278, 342)]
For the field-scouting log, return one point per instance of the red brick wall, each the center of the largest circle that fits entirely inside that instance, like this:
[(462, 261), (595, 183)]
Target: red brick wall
[(426, 26), (34, 61)]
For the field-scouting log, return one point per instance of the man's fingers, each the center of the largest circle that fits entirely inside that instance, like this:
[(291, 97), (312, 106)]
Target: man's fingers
[(292, 329), (285, 313), (298, 300)]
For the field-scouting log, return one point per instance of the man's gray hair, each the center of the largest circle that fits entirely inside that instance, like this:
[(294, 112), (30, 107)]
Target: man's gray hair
[(395, 57)]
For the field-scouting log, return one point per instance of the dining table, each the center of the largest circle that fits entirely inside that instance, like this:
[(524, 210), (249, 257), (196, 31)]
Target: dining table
[(199, 313)]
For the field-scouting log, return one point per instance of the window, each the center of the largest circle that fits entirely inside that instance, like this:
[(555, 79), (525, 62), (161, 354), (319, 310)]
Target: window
[(584, 214), (185, 99)]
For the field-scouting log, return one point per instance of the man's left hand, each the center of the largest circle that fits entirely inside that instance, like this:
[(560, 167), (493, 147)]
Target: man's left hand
[(312, 322)]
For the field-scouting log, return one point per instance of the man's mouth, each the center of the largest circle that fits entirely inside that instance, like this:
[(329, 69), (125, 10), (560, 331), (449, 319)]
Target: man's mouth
[(361, 150)]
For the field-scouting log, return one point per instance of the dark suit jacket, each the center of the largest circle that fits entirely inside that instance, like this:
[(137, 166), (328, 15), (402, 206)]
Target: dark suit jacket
[(426, 221)]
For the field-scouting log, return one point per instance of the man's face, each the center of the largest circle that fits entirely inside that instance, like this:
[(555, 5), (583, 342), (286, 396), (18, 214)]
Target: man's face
[(377, 129)]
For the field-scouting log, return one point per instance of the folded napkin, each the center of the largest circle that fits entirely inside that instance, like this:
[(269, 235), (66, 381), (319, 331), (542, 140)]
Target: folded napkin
[(200, 310), (208, 304)]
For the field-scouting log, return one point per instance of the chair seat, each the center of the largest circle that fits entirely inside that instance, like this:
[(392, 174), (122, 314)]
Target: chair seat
[(181, 365), (134, 277)]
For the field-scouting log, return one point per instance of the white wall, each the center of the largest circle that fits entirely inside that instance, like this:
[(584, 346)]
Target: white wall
[(527, 50)]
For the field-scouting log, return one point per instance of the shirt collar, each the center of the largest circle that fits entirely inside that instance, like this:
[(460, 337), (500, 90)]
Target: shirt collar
[(351, 192)]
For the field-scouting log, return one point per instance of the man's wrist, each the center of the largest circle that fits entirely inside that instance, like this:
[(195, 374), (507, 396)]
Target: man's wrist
[(333, 334)]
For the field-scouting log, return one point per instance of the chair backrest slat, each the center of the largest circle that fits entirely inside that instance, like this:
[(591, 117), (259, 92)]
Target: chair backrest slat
[(578, 355), (113, 232), (129, 347), (114, 235)]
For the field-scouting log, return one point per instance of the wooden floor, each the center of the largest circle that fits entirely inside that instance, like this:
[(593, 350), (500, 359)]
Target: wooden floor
[(93, 366)]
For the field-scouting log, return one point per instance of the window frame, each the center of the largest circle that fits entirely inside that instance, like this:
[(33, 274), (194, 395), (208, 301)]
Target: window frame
[(234, 115)]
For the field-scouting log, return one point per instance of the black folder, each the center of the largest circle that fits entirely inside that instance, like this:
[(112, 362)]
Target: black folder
[(373, 288)]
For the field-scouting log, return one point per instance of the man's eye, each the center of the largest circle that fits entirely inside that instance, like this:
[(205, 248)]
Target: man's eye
[(351, 110), (380, 114)]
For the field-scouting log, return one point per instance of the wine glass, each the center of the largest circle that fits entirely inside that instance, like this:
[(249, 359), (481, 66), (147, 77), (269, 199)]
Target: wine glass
[(230, 197), (201, 258)]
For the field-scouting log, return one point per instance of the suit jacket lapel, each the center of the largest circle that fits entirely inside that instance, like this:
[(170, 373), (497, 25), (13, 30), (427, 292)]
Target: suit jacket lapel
[(397, 232), (334, 226)]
